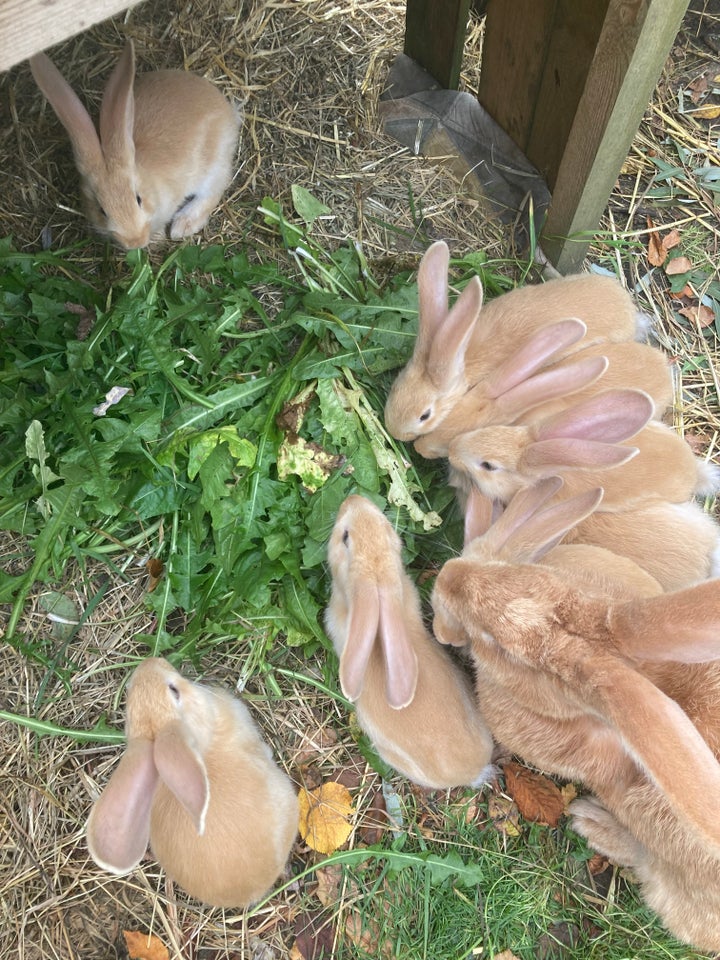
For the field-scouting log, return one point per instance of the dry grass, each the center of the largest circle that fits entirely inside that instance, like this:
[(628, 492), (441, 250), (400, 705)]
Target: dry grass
[(309, 73)]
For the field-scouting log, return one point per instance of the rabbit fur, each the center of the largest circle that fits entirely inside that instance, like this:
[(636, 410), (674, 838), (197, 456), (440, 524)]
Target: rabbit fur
[(458, 348), (414, 701), (164, 153), (199, 783), (584, 680)]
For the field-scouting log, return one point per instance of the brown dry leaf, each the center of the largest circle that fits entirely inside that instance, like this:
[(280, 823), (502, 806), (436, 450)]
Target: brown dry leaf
[(375, 821), (145, 946), (597, 864), (328, 884), (314, 936), (505, 816), (677, 265), (699, 314), (569, 793), (658, 246), (365, 933), (698, 88), (155, 569), (324, 816), (687, 291), (536, 796)]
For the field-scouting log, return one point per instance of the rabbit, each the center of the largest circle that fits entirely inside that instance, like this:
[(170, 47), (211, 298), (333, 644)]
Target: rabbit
[(415, 703), (459, 348), (164, 154), (621, 693), (584, 445), (532, 384), (198, 781)]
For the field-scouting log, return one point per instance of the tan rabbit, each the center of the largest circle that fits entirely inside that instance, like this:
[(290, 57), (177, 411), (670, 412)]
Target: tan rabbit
[(584, 445), (414, 702), (459, 348), (617, 694), (164, 154), (199, 783)]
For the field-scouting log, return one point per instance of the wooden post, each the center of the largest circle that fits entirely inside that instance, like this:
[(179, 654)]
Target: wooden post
[(435, 37)]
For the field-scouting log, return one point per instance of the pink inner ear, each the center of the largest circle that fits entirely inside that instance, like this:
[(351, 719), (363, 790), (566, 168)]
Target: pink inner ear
[(432, 293), (541, 347), (566, 453), (446, 361), (182, 770), (362, 630), (478, 515), (117, 110), (118, 829), (610, 417), (401, 660)]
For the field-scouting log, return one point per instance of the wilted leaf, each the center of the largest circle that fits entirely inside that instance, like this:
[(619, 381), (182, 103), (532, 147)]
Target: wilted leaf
[(505, 816), (307, 460), (710, 111), (306, 205), (113, 396), (62, 613), (597, 864), (145, 946), (314, 937), (155, 569), (686, 292), (658, 246), (364, 932), (569, 793), (324, 816), (328, 884), (537, 798), (677, 265), (698, 88), (375, 820), (699, 313)]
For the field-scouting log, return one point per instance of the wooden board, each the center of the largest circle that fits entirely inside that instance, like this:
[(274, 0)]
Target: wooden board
[(29, 26), (435, 37)]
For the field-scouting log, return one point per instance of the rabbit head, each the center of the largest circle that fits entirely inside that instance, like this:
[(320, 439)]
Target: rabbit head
[(364, 554), (588, 436)]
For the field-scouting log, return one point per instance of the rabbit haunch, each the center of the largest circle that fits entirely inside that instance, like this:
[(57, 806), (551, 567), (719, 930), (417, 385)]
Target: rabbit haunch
[(199, 783), (459, 348), (412, 699), (585, 680), (164, 153)]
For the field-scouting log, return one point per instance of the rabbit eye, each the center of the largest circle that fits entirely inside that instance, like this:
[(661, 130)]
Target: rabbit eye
[(346, 537), (426, 416), (174, 691), (486, 465), (139, 199)]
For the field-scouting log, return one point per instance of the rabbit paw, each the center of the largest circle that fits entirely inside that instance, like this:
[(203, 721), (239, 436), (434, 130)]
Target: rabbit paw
[(604, 833), (192, 216)]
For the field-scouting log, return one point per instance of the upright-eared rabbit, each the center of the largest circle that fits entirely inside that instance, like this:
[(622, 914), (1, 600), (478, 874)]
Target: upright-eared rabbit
[(584, 681), (199, 783), (415, 703), (164, 154), (458, 349)]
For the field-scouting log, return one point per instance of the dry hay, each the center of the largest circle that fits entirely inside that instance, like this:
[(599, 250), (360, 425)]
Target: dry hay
[(309, 73)]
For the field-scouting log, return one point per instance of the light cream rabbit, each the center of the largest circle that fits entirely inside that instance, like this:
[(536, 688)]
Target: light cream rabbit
[(584, 445), (414, 702), (619, 693), (164, 154), (461, 347), (199, 783)]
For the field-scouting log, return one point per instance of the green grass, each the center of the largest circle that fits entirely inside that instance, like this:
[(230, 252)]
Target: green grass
[(253, 408)]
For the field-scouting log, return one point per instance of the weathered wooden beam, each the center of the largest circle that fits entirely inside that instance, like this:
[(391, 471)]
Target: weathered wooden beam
[(634, 43), (435, 37), (29, 26)]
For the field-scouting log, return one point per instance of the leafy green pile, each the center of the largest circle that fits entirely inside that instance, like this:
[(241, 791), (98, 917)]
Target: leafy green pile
[(212, 414)]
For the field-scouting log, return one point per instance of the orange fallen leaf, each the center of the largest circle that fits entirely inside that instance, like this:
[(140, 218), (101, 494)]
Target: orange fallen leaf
[(677, 265), (364, 932), (328, 884), (145, 946), (658, 246), (687, 291), (597, 864), (699, 314), (710, 111), (536, 796), (324, 816), (155, 569)]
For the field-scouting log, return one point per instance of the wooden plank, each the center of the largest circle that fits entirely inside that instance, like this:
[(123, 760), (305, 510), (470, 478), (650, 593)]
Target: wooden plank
[(517, 35), (435, 37), (29, 26), (636, 38)]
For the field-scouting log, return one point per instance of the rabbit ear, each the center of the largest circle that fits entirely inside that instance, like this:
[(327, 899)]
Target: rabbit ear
[(663, 740), (549, 384), (479, 515), (182, 770), (117, 111), (69, 110), (565, 453), (118, 829), (523, 505), (363, 626), (682, 626), (401, 661), (433, 293), (446, 360), (534, 354), (609, 417)]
